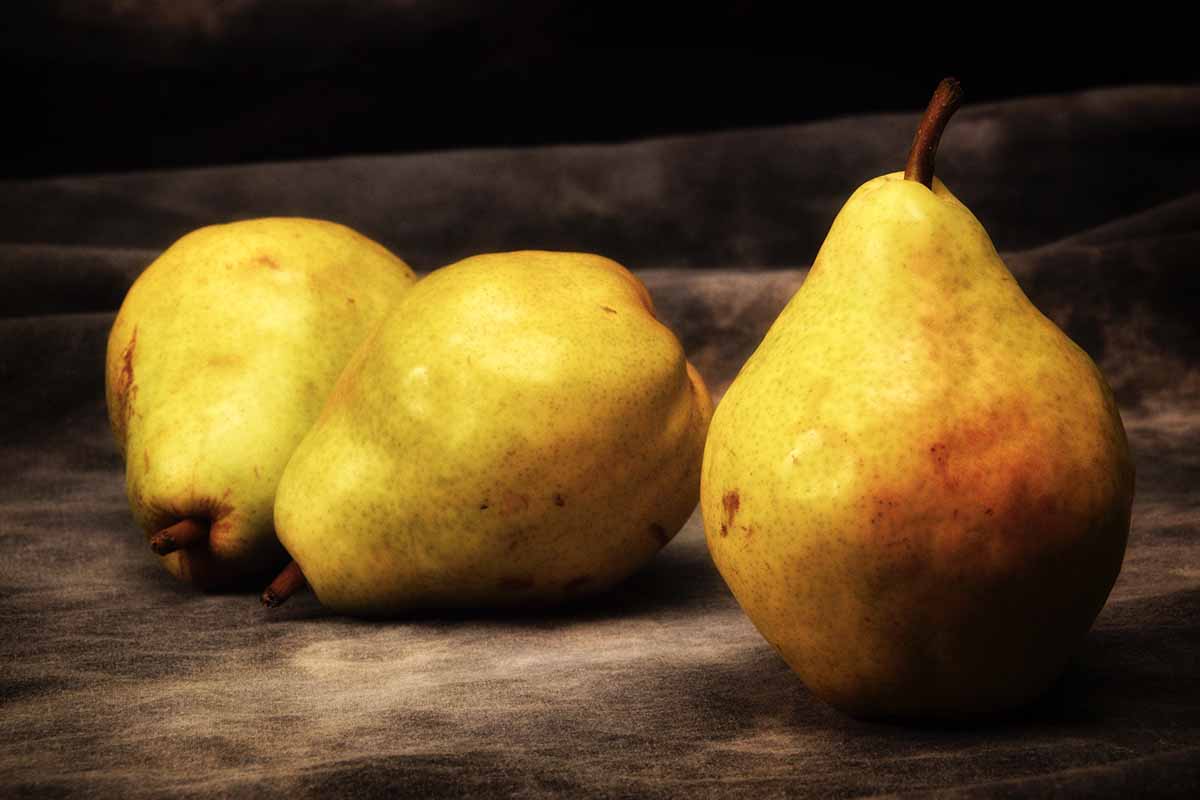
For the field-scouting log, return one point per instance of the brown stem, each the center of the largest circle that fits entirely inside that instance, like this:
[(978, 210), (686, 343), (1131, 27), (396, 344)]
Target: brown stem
[(945, 101), (286, 584), (180, 536)]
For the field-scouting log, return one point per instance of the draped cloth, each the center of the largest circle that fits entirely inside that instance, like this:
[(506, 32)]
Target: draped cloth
[(117, 681)]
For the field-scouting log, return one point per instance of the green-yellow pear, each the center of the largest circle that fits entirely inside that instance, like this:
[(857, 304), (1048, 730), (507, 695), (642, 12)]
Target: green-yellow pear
[(918, 488), (520, 430), (218, 362)]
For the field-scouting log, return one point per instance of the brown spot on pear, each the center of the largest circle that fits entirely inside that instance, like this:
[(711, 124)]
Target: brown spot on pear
[(732, 501), (125, 389)]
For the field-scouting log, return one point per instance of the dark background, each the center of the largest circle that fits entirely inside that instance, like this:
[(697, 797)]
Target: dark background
[(119, 85)]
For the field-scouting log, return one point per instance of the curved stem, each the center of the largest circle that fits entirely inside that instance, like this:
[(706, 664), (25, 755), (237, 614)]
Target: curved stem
[(180, 536), (286, 584), (945, 101)]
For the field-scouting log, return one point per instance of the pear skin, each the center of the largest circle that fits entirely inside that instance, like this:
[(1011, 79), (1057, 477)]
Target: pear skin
[(917, 488), (521, 430), (218, 362)]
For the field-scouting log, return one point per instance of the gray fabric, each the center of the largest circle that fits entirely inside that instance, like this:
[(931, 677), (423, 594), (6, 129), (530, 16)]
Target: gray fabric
[(117, 681)]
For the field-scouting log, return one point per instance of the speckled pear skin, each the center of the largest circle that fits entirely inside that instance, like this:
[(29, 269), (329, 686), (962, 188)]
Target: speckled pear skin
[(218, 362), (918, 488), (520, 431)]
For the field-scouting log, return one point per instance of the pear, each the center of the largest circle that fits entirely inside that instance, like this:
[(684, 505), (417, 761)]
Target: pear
[(218, 362), (520, 430), (917, 487)]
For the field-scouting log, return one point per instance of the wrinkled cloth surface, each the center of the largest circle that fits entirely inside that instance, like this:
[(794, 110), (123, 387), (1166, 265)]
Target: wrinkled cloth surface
[(117, 681)]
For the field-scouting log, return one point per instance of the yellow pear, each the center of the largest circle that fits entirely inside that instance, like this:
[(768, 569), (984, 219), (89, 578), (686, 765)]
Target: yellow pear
[(520, 430), (218, 362), (918, 488)]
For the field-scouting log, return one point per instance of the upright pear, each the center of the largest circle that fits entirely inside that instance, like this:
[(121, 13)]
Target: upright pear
[(218, 362), (520, 430), (918, 488)]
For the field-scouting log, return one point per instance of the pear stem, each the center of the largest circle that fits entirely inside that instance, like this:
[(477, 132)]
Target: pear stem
[(180, 536), (945, 101), (286, 583)]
